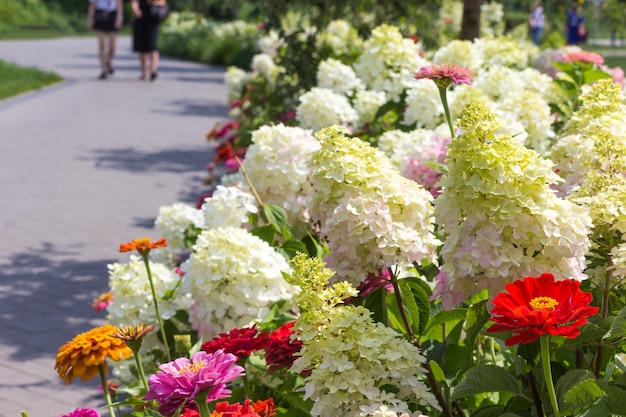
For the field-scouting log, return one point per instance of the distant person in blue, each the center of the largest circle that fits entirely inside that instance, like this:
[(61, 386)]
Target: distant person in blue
[(537, 22), (575, 25)]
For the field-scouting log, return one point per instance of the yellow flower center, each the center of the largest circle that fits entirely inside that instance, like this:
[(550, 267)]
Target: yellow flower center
[(539, 303), (193, 367)]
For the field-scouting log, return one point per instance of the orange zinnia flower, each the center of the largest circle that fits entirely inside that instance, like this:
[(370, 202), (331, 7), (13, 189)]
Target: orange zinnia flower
[(81, 356), (143, 245), (536, 306)]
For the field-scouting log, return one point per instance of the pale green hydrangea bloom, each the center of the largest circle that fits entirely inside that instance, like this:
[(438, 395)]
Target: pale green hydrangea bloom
[(389, 61), (351, 358), (341, 37), (503, 51), (366, 103), (228, 206), (233, 278), (460, 52), (399, 145), (501, 219), (338, 77), (371, 216), (423, 105)]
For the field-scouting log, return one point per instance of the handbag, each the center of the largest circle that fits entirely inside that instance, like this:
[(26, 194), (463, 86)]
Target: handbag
[(159, 12)]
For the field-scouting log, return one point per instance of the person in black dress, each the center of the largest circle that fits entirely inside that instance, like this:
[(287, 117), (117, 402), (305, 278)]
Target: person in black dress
[(145, 34)]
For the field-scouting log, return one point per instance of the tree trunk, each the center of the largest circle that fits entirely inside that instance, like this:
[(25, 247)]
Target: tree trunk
[(470, 26)]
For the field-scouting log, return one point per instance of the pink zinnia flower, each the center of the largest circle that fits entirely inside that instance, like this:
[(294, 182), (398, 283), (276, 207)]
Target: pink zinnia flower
[(102, 301), (180, 381), (445, 74), (584, 56), (83, 412)]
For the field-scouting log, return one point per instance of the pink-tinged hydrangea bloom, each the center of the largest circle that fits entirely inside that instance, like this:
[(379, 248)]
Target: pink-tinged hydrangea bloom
[(584, 56), (445, 74), (181, 380), (83, 412)]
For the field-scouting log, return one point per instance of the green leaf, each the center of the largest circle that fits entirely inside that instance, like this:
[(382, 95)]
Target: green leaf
[(375, 302), (581, 395), (151, 413), (422, 300), (297, 402), (485, 378), (476, 318), (410, 305), (292, 247), (569, 380), (615, 398), (588, 333), (276, 216), (455, 314), (314, 247), (490, 411), (437, 372), (618, 327), (393, 313), (265, 233), (594, 75)]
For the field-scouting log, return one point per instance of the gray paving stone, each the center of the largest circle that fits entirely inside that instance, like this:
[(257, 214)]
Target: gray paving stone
[(84, 166)]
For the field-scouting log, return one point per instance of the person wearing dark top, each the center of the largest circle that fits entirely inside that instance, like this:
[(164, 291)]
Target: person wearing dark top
[(575, 25), (145, 34)]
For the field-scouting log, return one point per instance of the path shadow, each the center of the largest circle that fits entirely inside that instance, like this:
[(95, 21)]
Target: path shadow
[(46, 297), (190, 107), (165, 160)]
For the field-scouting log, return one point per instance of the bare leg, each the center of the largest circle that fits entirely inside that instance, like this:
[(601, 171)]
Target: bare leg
[(154, 62), (111, 51), (102, 52), (144, 66)]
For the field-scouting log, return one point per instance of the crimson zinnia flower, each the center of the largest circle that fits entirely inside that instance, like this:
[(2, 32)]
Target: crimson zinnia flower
[(445, 74), (280, 353), (240, 342), (536, 306)]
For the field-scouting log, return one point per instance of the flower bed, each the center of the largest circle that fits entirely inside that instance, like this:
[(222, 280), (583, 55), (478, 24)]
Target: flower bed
[(428, 233)]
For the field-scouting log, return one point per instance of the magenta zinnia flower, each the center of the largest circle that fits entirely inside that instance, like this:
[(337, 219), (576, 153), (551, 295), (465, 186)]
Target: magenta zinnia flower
[(445, 74), (83, 412), (181, 380)]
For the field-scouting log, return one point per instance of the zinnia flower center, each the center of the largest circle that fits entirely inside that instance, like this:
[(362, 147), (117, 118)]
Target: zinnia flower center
[(539, 303), (193, 367)]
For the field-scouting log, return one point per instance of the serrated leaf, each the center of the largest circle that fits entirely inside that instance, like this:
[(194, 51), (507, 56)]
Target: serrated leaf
[(615, 398), (569, 380), (618, 327), (437, 372), (393, 313), (293, 247), (446, 317), (490, 411), (485, 378), (476, 318), (297, 402), (375, 302), (594, 75), (581, 395), (410, 305), (275, 216), (588, 333)]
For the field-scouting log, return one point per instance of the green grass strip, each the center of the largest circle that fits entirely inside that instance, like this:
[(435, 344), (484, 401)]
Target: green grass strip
[(15, 80)]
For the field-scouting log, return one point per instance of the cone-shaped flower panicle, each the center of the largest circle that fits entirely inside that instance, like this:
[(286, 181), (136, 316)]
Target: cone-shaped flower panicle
[(81, 356), (536, 306)]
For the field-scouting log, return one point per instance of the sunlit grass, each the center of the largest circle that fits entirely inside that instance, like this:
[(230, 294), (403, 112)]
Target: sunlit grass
[(15, 80)]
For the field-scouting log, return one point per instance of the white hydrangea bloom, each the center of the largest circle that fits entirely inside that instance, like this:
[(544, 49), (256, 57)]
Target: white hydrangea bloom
[(321, 107), (338, 77), (228, 206), (399, 145), (174, 220), (491, 19), (499, 81), (341, 37), (270, 43), (506, 52), (367, 102), (233, 278), (534, 113), (462, 94), (571, 155), (277, 165), (423, 105), (389, 61), (132, 296), (459, 52), (235, 79), (264, 64), (371, 217)]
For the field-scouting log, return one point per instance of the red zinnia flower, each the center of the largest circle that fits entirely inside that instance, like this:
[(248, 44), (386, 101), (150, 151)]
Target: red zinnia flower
[(265, 408), (224, 409), (536, 306), (584, 56), (190, 412), (144, 244), (282, 349), (240, 342), (445, 74)]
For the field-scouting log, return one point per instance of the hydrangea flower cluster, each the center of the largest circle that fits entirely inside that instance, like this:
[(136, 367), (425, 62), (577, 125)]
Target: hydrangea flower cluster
[(419, 166), (321, 107), (338, 77), (460, 52), (173, 221), (423, 105), (371, 217), (277, 164), (501, 219), (233, 278), (341, 37), (398, 145), (235, 78), (228, 207), (503, 51), (389, 61), (132, 297), (366, 103), (264, 64), (352, 359)]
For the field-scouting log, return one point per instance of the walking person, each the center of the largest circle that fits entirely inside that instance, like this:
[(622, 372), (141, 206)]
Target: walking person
[(105, 16), (148, 17), (575, 25), (537, 22)]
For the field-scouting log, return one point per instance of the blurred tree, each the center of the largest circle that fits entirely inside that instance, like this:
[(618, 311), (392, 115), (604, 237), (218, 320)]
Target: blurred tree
[(470, 26)]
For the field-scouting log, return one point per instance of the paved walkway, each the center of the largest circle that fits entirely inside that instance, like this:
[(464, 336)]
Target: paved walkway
[(84, 166)]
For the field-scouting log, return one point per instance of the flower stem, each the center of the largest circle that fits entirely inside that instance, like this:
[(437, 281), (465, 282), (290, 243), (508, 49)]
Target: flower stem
[(429, 373), (446, 109), (105, 389), (203, 407), (142, 374), (246, 387), (547, 372), (156, 306)]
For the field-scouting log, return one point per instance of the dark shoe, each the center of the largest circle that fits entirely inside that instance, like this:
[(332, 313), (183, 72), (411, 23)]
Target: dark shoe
[(103, 76), (153, 76), (110, 69)]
